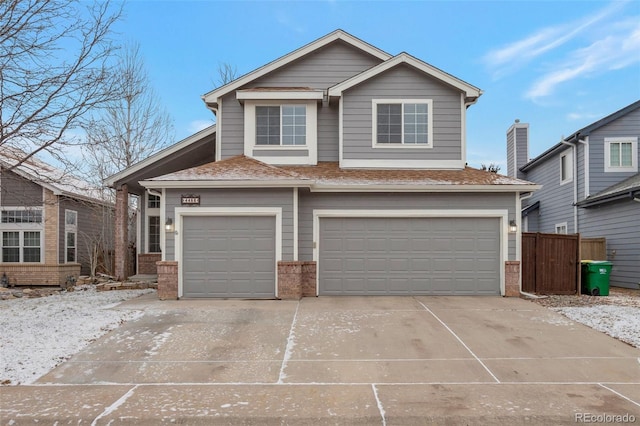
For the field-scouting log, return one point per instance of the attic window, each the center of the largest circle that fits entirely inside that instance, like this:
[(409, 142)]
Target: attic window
[(402, 122)]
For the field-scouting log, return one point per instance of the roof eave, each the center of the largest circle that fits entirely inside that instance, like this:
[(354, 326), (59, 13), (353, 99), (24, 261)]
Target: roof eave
[(159, 184)]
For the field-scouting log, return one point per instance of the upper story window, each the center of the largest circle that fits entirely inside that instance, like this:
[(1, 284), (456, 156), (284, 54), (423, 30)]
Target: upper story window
[(21, 216), (621, 154), (566, 168), (281, 125), (153, 201), (405, 123)]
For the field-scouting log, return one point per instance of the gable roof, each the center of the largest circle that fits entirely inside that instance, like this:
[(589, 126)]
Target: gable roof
[(471, 92), (585, 131), (211, 98), (58, 181), (628, 188), (248, 172)]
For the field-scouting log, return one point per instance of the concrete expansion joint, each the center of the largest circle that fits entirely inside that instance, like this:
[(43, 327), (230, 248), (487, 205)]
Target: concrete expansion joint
[(113, 407)]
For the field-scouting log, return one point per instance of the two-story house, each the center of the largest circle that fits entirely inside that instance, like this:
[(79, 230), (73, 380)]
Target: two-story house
[(337, 169), (53, 226), (590, 185)]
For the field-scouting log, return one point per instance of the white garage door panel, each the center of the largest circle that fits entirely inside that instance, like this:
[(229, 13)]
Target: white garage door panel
[(228, 256), (409, 256)]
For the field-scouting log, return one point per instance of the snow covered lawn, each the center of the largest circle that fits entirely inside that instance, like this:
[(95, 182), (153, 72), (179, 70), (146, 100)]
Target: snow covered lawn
[(38, 334)]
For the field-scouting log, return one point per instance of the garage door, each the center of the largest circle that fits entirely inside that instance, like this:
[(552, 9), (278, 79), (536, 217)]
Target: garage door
[(398, 256), (228, 256)]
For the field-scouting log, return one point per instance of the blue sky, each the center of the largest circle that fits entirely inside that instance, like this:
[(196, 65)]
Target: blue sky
[(557, 65)]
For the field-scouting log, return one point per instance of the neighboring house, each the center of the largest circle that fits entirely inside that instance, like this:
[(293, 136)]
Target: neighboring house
[(590, 185), (52, 225), (339, 170)]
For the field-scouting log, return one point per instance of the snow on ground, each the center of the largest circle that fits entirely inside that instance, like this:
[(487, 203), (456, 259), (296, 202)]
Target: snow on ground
[(621, 322), (38, 334)]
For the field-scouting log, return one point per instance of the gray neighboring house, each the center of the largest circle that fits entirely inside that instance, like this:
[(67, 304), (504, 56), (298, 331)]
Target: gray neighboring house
[(337, 169), (590, 185)]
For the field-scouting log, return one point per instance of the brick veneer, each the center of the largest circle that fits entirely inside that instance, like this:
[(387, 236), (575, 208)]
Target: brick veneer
[(39, 274), (121, 232), (512, 278), (167, 280), (51, 220), (296, 279), (147, 263)]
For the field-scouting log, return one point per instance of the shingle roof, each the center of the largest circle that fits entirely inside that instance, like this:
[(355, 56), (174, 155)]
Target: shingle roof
[(621, 189), (242, 168)]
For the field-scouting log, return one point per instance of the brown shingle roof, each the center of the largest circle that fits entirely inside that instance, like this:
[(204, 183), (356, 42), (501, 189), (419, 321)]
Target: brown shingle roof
[(242, 168)]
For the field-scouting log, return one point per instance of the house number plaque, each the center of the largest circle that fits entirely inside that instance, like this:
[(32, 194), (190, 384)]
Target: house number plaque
[(190, 200)]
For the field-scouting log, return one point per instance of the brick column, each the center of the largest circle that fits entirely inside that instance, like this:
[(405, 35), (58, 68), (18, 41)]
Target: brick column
[(51, 225), (122, 232), (512, 278), (167, 279), (289, 280), (309, 279)]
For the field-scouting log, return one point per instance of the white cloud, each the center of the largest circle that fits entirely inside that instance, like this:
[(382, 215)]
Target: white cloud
[(196, 125)]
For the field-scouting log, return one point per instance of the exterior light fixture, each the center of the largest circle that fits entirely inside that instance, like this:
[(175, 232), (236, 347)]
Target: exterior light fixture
[(513, 227), (168, 225)]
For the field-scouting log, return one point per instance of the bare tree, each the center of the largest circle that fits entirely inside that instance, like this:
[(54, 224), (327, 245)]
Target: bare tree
[(226, 73), (132, 126), (493, 168), (54, 69)]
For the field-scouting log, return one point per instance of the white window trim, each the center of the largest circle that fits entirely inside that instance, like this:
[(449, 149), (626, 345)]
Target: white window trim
[(503, 215), (403, 145), (21, 246), (634, 154), (568, 155), (67, 229), (559, 226), (148, 212), (311, 147), (181, 212)]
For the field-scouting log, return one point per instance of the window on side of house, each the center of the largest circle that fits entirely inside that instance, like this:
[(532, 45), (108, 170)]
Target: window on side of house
[(21, 247), (154, 234), (402, 123), (283, 125), (153, 201), (561, 228), (621, 154), (21, 216), (71, 236), (566, 168)]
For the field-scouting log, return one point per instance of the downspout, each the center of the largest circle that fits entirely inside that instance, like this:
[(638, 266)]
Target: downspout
[(574, 157), (519, 238)]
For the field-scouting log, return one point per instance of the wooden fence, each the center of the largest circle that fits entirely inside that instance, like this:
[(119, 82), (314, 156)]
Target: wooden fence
[(593, 248), (550, 263)]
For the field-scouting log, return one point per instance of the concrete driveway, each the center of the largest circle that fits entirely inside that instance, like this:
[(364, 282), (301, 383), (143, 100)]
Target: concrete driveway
[(342, 360)]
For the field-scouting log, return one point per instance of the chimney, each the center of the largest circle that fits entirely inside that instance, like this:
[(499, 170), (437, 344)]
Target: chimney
[(517, 149)]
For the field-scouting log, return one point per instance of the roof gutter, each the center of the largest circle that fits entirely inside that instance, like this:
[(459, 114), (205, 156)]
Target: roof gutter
[(633, 195)]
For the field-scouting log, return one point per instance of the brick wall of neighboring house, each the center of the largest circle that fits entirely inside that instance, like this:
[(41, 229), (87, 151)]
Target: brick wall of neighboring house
[(24, 274), (167, 280), (51, 220), (512, 278), (121, 233), (296, 279), (147, 263)]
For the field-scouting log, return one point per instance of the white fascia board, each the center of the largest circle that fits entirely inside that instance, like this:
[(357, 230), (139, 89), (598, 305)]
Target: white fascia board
[(214, 95), (111, 180), (280, 95), (423, 188), (159, 184), (469, 90)]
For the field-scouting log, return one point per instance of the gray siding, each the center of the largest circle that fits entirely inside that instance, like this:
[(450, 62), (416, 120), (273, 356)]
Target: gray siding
[(619, 223), (511, 141), (522, 150), (280, 153), (321, 69), (95, 226), (402, 82), (556, 201), (237, 198), (629, 125), (309, 201), (18, 191)]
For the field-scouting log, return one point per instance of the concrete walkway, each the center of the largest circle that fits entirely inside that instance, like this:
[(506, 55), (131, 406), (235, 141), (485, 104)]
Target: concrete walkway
[(348, 360)]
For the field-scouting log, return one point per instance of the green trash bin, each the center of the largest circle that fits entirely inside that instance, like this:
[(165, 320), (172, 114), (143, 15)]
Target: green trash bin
[(595, 277)]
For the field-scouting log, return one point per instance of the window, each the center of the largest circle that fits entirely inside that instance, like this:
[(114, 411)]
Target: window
[(406, 123), (153, 201), (154, 234), (561, 228), (281, 125), (21, 216), (566, 168), (621, 154), (21, 246), (71, 236)]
